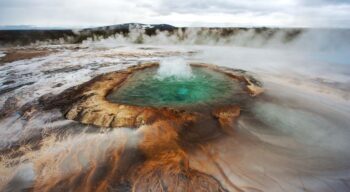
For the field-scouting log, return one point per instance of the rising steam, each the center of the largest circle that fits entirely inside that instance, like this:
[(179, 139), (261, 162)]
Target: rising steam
[(174, 67)]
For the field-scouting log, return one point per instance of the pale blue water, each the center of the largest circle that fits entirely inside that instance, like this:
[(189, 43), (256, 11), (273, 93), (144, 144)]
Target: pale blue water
[(205, 86)]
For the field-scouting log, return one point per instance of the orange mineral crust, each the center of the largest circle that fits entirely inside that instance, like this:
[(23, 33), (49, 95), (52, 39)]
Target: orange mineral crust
[(154, 155)]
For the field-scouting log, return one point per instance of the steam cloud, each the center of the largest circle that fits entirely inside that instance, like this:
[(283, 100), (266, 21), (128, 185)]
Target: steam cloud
[(174, 67)]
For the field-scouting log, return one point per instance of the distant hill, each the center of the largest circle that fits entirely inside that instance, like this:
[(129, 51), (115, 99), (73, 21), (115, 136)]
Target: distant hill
[(25, 34), (127, 26), (29, 27)]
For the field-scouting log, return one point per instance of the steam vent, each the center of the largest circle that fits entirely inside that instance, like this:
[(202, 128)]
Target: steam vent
[(171, 117)]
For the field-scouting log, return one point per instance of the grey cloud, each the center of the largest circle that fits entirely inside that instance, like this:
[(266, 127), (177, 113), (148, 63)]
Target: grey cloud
[(334, 13), (323, 2), (223, 6), (230, 6)]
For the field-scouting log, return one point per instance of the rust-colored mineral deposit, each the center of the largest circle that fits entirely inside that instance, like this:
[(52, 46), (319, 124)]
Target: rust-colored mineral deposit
[(155, 157)]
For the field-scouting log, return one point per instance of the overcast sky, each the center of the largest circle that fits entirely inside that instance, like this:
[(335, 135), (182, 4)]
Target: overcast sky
[(84, 13)]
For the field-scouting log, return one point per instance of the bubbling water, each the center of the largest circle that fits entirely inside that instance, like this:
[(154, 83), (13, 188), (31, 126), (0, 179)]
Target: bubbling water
[(174, 67)]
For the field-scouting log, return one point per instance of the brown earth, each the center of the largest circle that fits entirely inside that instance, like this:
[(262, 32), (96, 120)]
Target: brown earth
[(19, 54), (227, 116), (155, 162)]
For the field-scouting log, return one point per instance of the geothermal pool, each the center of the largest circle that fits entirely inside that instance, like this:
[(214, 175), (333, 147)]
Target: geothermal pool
[(201, 87), (292, 137)]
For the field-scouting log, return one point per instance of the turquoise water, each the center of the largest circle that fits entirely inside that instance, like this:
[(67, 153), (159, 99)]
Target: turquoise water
[(146, 88)]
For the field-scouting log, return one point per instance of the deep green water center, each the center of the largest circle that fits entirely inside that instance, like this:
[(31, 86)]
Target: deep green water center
[(204, 87)]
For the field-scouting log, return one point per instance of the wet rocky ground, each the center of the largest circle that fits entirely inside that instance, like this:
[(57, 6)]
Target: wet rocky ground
[(293, 137)]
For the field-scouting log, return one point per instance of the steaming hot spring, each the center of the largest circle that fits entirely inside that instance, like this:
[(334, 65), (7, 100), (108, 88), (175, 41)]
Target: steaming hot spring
[(199, 94), (173, 118)]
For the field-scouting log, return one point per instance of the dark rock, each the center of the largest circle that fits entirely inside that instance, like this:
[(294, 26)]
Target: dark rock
[(10, 106), (8, 82), (58, 85), (11, 88), (63, 70)]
